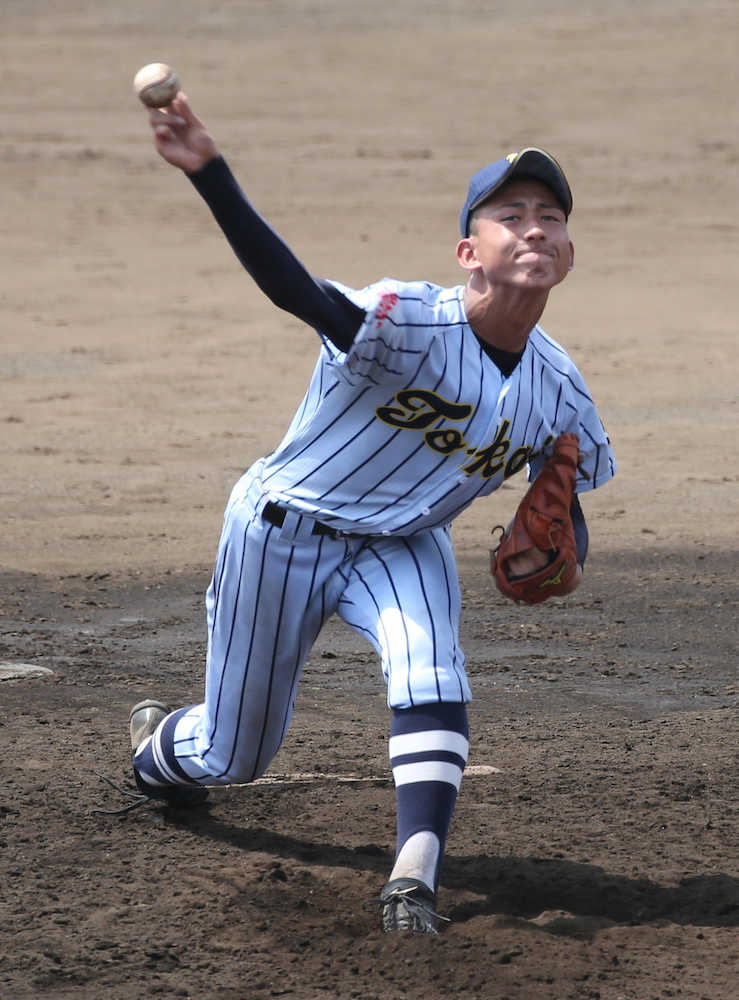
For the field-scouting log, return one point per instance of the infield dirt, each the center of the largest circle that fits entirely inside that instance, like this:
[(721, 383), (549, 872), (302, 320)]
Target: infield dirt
[(594, 852)]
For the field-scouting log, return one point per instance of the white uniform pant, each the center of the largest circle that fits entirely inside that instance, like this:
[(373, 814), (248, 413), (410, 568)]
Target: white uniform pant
[(272, 590)]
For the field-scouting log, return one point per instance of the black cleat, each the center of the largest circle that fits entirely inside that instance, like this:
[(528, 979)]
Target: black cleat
[(409, 905)]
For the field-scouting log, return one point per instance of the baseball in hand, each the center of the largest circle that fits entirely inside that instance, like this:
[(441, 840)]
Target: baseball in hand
[(156, 85)]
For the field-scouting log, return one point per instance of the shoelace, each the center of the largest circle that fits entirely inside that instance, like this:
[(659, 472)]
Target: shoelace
[(405, 896), (139, 799)]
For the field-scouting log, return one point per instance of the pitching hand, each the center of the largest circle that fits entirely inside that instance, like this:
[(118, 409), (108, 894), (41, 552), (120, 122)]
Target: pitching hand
[(180, 137)]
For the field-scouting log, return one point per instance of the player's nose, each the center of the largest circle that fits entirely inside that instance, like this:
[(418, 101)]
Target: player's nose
[(534, 231)]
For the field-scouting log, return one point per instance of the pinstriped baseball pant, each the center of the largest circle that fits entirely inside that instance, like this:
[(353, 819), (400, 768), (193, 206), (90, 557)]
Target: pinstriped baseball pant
[(272, 590)]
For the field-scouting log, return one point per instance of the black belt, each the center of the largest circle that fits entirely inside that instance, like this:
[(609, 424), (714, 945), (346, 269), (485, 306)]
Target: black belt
[(274, 514)]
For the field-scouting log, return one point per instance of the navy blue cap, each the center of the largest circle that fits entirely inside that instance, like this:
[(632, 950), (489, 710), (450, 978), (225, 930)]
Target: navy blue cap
[(531, 162)]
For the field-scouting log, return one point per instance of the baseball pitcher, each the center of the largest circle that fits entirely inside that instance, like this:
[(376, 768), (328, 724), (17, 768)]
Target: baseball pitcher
[(422, 399)]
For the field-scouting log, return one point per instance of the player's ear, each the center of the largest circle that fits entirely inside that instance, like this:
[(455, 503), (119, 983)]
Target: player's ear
[(572, 255), (467, 254)]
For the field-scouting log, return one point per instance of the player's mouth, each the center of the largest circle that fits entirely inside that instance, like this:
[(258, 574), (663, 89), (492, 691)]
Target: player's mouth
[(533, 253)]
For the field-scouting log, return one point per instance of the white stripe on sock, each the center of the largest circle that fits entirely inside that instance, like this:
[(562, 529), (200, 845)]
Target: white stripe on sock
[(430, 740), (428, 770), (151, 781), (159, 760)]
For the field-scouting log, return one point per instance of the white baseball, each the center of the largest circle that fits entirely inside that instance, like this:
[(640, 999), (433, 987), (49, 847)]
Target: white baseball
[(156, 84)]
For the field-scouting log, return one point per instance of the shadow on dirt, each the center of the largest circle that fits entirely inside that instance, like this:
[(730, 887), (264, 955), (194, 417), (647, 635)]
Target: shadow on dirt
[(579, 897), (525, 887)]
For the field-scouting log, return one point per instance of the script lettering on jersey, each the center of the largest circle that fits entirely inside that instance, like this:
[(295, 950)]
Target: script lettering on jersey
[(493, 458), (418, 409)]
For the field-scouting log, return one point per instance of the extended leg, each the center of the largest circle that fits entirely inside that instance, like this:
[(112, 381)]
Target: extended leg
[(428, 752), (403, 595)]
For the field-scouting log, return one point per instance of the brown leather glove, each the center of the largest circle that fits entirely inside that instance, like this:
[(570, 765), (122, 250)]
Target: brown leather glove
[(542, 522)]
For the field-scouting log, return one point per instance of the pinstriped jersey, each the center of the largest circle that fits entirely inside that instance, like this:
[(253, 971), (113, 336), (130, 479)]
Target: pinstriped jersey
[(414, 421)]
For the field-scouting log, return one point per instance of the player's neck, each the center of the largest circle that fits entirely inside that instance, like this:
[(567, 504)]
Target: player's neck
[(504, 318)]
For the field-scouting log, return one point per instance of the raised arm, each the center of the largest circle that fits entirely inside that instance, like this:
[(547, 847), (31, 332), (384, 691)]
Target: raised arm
[(183, 140)]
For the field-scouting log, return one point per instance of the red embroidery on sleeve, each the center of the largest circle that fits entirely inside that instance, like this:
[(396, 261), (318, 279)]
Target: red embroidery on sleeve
[(384, 308)]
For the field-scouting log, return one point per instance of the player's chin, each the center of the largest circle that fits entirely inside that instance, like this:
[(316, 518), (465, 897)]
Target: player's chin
[(546, 274), (539, 279)]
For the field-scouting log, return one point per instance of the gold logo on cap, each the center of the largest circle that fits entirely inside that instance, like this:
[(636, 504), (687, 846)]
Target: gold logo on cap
[(511, 157)]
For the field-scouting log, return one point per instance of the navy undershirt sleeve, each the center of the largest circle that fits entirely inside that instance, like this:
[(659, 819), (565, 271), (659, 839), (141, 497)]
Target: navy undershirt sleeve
[(271, 263), (581, 530)]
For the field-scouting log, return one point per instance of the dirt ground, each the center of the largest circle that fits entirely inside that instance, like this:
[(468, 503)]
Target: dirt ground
[(594, 851)]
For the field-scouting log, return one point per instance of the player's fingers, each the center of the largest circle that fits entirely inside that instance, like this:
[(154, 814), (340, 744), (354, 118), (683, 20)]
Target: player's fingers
[(181, 106), (158, 117), (163, 133)]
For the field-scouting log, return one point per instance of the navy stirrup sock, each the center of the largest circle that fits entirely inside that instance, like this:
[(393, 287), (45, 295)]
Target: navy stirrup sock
[(428, 753)]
